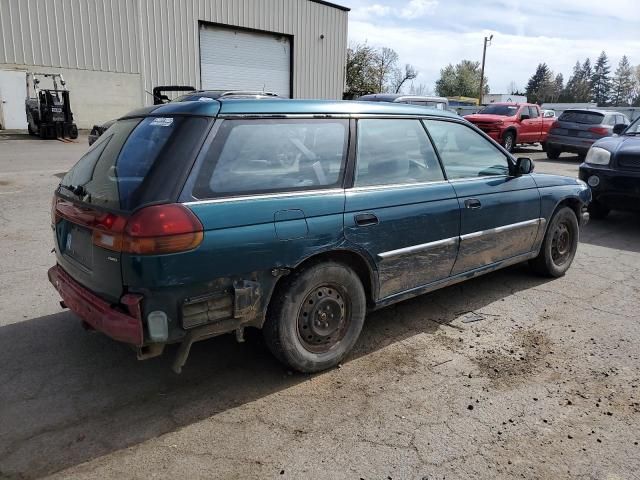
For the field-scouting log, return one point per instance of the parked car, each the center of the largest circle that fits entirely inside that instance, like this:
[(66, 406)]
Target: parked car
[(612, 170), (192, 95), (577, 129), (512, 124), (441, 103), (548, 114), (189, 220)]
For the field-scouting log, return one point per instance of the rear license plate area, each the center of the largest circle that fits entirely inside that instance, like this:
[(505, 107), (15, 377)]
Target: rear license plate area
[(77, 244)]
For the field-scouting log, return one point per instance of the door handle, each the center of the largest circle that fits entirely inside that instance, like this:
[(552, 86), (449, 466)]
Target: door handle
[(472, 203), (364, 219)]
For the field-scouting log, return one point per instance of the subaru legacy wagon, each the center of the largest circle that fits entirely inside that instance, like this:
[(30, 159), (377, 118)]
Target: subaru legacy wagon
[(189, 220)]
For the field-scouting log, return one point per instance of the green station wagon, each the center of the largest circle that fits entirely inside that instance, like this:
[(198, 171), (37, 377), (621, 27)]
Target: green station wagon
[(189, 220)]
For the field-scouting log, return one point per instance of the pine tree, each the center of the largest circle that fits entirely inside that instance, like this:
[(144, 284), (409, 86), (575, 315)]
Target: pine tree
[(558, 87), (623, 83), (570, 91), (583, 85), (539, 87), (601, 80)]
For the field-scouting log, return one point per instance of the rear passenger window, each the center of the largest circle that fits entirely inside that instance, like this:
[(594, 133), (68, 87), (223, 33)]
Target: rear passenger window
[(394, 152), (253, 156), (464, 152)]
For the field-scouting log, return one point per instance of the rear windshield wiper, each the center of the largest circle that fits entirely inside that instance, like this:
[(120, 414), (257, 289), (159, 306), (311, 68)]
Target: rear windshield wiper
[(78, 190)]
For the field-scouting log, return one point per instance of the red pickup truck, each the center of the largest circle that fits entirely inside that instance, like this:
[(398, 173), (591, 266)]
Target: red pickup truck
[(511, 124)]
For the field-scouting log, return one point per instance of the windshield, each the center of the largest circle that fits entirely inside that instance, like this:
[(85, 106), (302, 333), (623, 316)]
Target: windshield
[(504, 110), (131, 162), (634, 128)]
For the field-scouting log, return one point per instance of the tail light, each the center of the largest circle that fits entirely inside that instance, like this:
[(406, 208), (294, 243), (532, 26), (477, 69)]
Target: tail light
[(55, 218), (599, 130), (153, 230), (162, 229), (555, 124)]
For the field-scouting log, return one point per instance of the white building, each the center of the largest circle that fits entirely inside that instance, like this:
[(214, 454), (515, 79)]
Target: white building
[(113, 52), (502, 97)]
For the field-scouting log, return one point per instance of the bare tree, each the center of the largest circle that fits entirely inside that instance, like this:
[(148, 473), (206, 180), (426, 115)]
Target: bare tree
[(386, 62), (400, 77), (420, 90)]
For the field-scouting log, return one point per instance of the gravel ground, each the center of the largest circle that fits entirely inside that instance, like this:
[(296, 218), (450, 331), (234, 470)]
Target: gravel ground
[(506, 376)]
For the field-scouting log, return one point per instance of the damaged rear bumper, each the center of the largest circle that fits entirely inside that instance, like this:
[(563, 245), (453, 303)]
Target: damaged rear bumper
[(101, 315)]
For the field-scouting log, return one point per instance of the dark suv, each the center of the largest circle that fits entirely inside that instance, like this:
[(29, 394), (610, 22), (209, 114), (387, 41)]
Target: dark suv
[(612, 170), (193, 219), (576, 130)]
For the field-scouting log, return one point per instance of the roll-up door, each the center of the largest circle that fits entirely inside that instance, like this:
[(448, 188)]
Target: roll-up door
[(236, 59)]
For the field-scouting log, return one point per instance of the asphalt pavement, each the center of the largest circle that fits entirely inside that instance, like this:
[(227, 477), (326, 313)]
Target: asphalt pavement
[(507, 375)]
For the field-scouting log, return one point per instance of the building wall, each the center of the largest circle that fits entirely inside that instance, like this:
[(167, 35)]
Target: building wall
[(157, 42), (170, 38)]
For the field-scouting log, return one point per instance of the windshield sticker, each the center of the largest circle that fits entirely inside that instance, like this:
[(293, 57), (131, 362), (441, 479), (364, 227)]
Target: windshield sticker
[(162, 122), (205, 99)]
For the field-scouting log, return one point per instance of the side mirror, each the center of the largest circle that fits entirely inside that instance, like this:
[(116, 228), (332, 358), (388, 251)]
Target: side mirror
[(618, 128), (524, 116), (524, 166)]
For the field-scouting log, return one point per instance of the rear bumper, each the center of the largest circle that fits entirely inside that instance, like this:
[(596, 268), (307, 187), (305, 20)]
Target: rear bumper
[(570, 144), (123, 327)]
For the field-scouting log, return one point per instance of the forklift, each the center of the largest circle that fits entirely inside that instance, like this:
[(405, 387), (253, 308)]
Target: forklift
[(49, 110)]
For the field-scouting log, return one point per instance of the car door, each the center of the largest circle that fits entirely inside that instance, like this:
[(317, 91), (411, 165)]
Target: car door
[(499, 213), (401, 210), (528, 129)]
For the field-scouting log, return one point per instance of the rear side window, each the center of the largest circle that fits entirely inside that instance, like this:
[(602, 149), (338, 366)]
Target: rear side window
[(533, 112), (132, 161), (394, 152), (588, 118), (464, 152), (258, 156)]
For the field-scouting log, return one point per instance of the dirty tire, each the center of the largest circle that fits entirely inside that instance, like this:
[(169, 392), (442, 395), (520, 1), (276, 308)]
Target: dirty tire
[(553, 153), (315, 317), (559, 245), (509, 141), (597, 210)]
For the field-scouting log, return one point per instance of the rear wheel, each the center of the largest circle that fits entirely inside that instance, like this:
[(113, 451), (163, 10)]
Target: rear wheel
[(509, 141), (559, 245), (316, 317), (598, 210), (553, 153)]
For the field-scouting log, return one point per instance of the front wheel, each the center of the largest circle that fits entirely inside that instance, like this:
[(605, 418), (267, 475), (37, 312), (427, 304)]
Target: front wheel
[(315, 317), (559, 245)]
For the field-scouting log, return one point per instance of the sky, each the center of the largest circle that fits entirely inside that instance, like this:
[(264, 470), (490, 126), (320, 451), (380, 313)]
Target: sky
[(430, 34)]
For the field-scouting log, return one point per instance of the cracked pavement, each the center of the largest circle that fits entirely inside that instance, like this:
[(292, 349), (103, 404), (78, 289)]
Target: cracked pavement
[(545, 385)]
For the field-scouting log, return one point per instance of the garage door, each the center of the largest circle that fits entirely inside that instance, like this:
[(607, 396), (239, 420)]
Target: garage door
[(241, 60)]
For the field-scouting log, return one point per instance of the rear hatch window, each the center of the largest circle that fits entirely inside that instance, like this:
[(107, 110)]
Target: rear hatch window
[(586, 118), (134, 162)]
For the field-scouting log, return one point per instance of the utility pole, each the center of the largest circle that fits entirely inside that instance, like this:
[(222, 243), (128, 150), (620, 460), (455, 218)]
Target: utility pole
[(487, 41)]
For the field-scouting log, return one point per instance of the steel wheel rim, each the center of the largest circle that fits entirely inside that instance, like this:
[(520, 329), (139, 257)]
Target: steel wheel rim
[(561, 244), (323, 318)]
